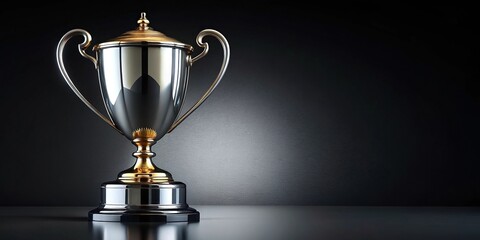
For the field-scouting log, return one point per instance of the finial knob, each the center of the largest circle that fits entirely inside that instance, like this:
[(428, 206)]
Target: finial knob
[(143, 22)]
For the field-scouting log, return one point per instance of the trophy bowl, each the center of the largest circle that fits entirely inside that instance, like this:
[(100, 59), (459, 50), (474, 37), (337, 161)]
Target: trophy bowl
[(143, 76)]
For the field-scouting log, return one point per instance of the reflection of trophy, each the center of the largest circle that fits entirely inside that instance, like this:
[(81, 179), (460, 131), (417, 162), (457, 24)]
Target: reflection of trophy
[(143, 77), (139, 231)]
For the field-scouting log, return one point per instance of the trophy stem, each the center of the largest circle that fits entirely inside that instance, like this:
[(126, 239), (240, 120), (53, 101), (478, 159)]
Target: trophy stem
[(144, 155), (144, 171)]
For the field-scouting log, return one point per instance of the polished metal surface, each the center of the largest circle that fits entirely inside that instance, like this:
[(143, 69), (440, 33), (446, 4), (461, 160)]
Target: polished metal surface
[(118, 195), (143, 77), (143, 86), (161, 202)]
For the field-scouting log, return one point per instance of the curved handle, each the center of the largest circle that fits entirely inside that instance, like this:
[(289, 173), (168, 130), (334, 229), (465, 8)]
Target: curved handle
[(81, 48), (226, 58)]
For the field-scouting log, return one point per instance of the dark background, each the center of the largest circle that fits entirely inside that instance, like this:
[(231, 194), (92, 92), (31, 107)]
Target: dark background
[(348, 104)]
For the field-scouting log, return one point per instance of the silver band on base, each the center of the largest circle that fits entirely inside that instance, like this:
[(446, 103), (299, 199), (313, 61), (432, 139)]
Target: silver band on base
[(149, 202)]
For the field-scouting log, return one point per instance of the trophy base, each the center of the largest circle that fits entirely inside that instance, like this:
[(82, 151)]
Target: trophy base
[(143, 202)]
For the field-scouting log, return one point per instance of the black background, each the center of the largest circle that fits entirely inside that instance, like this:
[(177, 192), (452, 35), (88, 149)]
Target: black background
[(349, 104)]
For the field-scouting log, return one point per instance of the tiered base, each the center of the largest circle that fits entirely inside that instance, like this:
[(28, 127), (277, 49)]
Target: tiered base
[(138, 202)]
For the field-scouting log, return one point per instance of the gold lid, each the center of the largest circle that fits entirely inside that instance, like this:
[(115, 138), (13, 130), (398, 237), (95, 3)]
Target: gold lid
[(144, 34)]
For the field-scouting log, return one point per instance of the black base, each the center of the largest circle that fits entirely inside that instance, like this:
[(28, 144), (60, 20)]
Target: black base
[(112, 215)]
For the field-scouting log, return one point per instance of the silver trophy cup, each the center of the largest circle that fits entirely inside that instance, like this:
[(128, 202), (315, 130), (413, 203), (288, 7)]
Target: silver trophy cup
[(143, 76)]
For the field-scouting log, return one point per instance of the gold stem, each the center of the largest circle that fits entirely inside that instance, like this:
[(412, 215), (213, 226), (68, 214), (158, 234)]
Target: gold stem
[(144, 171), (144, 155)]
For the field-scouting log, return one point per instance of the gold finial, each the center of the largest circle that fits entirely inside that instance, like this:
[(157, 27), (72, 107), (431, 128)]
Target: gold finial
[(143, 22), (144, 133)]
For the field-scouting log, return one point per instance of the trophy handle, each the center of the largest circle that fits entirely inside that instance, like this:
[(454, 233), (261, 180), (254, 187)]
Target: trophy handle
[(81, 48), (226, 57)]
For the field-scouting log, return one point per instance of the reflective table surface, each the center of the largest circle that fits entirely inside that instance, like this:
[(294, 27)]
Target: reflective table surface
[(252, 222)]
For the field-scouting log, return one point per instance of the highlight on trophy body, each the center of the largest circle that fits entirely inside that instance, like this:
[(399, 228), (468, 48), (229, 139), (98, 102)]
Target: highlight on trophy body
[(143, 76)]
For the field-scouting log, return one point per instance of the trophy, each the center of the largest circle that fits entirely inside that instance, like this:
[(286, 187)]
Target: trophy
[(143, 76)]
